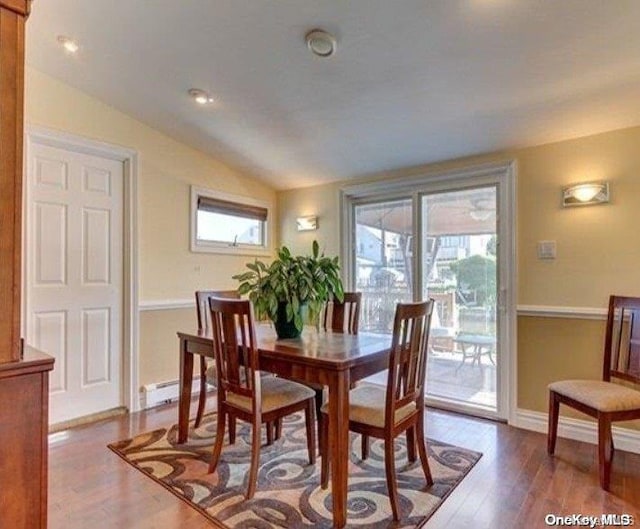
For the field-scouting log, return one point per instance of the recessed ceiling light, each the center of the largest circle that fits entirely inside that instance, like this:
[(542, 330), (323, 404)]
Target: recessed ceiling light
[(69, 45), (321, 43), (200, 96)]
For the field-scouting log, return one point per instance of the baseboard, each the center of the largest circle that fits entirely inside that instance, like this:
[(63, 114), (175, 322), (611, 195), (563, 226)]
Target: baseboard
[(577, 429), (164, 393), (86, 419)]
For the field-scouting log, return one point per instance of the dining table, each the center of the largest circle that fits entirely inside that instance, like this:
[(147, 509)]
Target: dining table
[(333, 359), (474, 346)]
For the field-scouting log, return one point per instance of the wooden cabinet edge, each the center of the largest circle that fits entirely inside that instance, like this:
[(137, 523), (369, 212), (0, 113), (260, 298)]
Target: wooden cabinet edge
[(22, 7), (34, 361)]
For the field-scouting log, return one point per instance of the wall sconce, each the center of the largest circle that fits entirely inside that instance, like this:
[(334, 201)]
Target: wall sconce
[(309, 223), (585, 194)]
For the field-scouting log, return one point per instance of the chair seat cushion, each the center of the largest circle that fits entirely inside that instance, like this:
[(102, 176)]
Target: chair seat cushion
[(276, 393), (367, 405), (602, 396)]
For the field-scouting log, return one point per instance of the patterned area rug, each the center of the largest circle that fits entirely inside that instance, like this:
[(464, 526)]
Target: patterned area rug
[(288, 492)]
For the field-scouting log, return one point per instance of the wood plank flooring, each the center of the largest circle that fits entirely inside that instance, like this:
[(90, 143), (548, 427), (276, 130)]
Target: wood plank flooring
[(514, 485)]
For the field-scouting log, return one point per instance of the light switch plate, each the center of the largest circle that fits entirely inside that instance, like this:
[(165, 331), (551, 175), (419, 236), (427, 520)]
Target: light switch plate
[(546, 249)]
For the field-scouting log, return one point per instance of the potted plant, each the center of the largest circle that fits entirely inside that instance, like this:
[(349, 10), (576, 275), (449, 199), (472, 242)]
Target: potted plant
[(292, 289)]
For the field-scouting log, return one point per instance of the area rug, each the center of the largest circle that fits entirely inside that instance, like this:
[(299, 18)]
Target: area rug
[(288, 493)]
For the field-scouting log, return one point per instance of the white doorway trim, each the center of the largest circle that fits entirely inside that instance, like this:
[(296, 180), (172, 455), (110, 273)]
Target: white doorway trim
[(411, 186), (129, 158)]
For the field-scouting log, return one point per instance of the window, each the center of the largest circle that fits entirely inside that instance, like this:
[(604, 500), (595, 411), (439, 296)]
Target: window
[(223, 223)]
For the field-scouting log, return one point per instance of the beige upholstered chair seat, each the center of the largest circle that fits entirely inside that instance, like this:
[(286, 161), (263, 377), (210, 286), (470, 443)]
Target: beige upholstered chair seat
[(602, 396), (275, 393), (367, 403)]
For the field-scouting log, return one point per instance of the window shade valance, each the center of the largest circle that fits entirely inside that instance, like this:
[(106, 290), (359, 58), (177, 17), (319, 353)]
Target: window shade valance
[(225, 207)]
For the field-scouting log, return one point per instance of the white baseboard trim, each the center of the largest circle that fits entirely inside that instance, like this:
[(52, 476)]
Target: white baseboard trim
[(164, 393), (577, 429)]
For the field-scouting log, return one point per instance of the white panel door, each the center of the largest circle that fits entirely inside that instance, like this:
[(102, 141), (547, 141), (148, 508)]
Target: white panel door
[(74, 274)]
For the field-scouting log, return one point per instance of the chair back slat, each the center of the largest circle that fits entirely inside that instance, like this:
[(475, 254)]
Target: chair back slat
[(622, 340), (407, 362), (343, 317), (235, 349), (202, 304)]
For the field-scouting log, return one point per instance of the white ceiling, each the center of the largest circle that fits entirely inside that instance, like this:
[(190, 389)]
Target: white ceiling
[(413, 81)]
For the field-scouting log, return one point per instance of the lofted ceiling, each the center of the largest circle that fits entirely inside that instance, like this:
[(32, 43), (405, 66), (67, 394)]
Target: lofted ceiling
[(412, 82)]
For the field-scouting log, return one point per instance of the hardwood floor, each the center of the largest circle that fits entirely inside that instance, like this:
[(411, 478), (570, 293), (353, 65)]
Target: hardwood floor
[(514, 485)]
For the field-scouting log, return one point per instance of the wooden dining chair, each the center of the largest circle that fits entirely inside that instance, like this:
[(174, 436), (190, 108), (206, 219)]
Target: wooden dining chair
[(603, 399), (207, 374), (343, 317), (385, 413), (242, 392)]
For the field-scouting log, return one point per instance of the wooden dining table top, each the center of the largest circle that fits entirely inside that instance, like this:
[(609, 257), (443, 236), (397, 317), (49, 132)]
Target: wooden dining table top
[(315, 348)]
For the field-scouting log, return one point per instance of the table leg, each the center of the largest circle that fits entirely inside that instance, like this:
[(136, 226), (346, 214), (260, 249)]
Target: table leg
[(339, 444), (186, 377)]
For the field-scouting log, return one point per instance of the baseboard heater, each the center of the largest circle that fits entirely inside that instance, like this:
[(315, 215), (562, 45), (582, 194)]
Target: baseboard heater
[(164, 393)]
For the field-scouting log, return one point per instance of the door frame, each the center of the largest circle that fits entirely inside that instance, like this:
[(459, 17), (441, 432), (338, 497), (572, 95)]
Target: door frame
[(505, 174), (130, 321)]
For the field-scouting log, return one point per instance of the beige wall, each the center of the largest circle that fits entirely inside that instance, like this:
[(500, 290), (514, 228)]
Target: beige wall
[(597, 254), (321, 201), (167, 269), (158, 340)]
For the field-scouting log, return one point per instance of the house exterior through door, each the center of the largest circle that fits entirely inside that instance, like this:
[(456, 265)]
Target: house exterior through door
[(74, 276)]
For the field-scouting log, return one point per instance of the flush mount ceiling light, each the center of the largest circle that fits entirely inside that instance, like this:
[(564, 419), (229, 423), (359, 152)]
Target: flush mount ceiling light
[(321, 43), (200, 96), (585, 194), (69, 45)]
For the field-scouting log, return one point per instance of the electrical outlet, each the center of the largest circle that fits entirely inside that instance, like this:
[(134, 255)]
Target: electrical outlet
[(546, 249)]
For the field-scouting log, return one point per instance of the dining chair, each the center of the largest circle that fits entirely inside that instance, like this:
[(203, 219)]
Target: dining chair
[(242, 392), (605, 400), (207, 372), (343, 317), (340, 317), (385, 413)]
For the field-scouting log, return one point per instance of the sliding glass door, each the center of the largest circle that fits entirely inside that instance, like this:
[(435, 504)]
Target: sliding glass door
[(441, 240), (383, 260), (459, 271)]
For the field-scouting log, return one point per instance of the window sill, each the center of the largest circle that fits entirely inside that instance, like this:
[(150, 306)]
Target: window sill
[(230, 250)]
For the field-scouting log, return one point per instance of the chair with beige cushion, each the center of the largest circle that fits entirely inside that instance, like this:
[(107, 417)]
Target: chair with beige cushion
[(207, 369), (604, 400), (242, 392), (385, 413), (340, 317)]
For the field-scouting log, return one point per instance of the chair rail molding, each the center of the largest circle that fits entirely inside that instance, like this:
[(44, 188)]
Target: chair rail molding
[(554, 311), (166, 304)]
